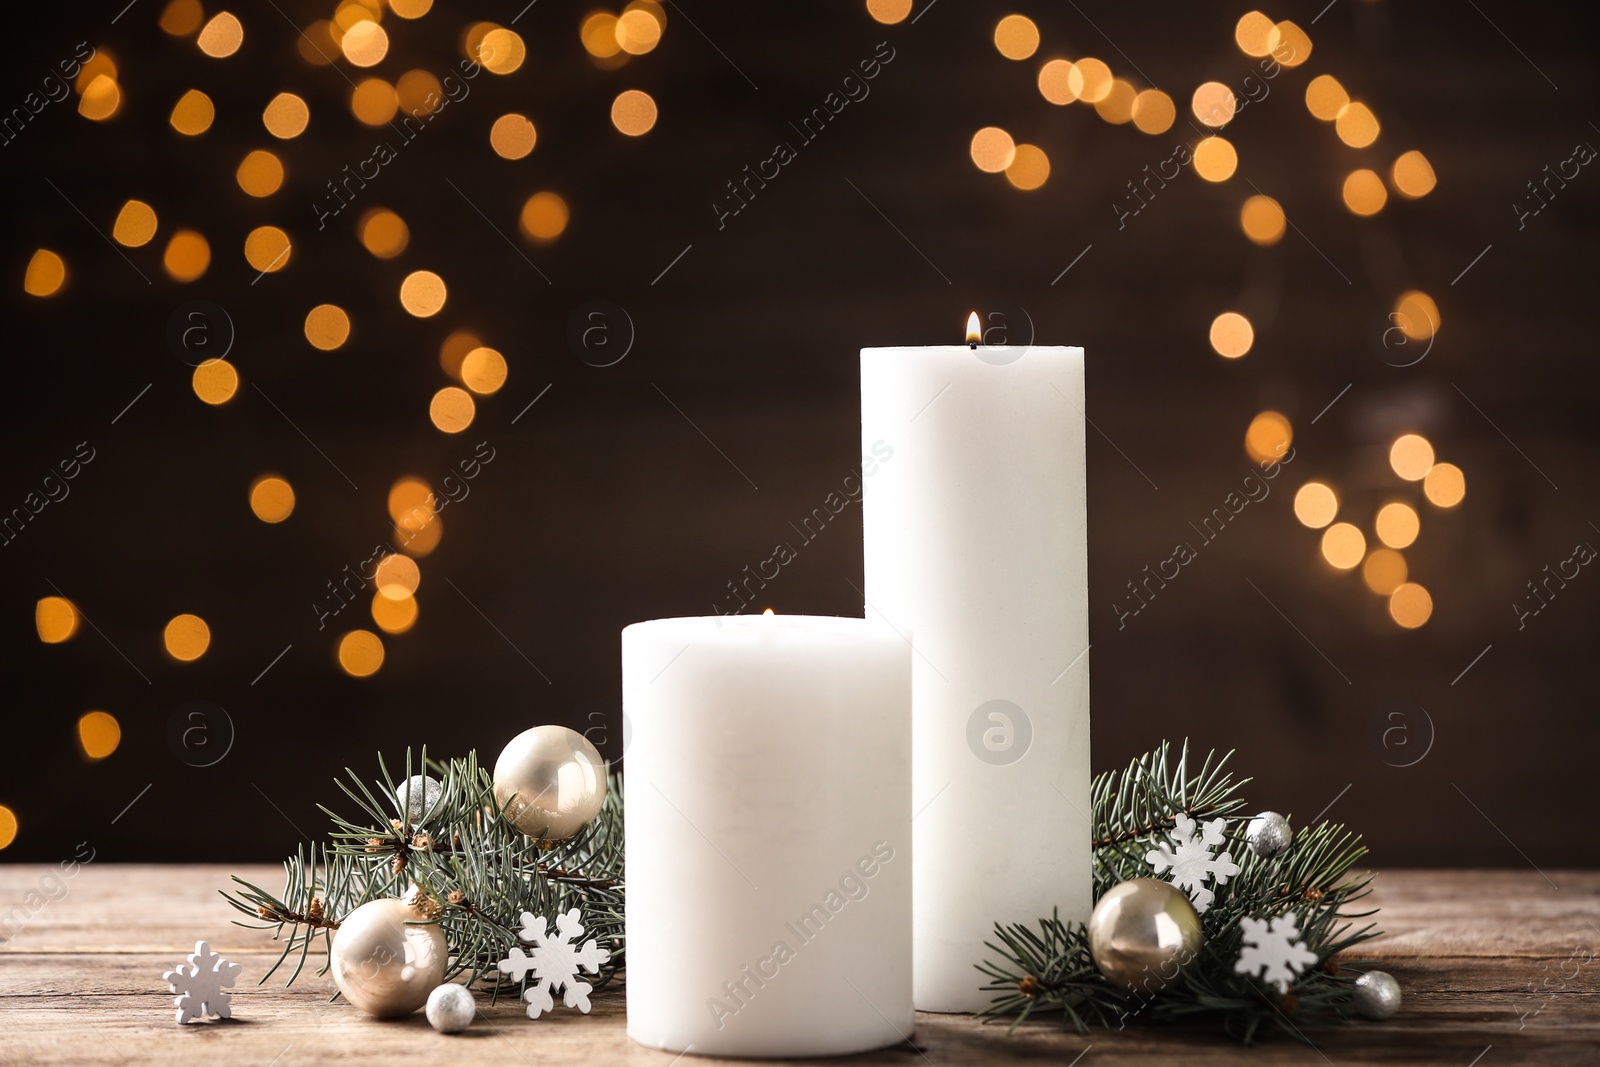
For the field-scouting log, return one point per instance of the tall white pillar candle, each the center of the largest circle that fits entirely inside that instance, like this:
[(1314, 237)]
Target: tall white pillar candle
[(768, 819), (976, 550)]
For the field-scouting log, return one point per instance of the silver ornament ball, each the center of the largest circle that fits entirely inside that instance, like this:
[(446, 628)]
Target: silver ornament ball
[(553, 779), (417, 796), (386, 958), (1143, 933), (450, 1008), (1268, 834), (1377, 995)]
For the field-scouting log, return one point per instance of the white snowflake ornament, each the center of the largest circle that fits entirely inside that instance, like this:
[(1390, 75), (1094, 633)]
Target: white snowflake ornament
[(555, 962), (199, 983), (1191, 861), (1272, 950)]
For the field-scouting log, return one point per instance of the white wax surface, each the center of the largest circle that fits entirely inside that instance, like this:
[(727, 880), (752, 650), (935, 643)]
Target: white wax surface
[(768, 787), (976, 548)]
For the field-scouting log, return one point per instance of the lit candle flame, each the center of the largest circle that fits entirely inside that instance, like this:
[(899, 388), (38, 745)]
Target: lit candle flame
[(769, 611), (974, 330)]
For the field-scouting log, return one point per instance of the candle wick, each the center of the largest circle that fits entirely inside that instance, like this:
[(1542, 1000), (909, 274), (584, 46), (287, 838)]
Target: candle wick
[(972, 345)]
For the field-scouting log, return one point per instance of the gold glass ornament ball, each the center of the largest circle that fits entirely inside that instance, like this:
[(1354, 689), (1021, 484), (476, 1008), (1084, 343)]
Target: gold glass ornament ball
[(1143, 933), (386, 959), (553, 779)]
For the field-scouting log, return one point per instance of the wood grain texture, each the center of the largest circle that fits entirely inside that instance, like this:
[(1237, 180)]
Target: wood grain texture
[(1498, 967)]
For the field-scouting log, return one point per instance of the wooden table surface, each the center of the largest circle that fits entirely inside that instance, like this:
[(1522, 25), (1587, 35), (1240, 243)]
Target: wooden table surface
[(1497, 967)]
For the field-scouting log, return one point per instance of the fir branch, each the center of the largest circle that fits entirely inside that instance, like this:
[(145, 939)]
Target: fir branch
[(472, 871), (1047, 967)]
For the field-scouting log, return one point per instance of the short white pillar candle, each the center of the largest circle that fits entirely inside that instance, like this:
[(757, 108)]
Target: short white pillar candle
[(768, 818)]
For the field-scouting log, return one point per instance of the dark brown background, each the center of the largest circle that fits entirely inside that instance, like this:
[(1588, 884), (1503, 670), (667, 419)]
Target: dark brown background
[(606, 506)]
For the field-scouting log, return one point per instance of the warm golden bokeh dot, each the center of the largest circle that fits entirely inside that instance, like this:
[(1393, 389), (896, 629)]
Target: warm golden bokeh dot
[(472, 39), (222, 36), (1343, 545), (1413, 175), (1089, 80), (267, 249), (1214, 104), (652, 7), (410, 500), (501, 51), (419, 93), (1325, 97), (637, 30), (512, 136), (56, 619), (483, 371), (1289, 44), (317, 44), (187, 257), (192, 115), (1411, 456), (1364, 193), (1154, 112), (1250, 34), (373, 101), (1268, 436), (45, 275), (1384, 571), (8, 826), (452, 409), (1016, 37), (889, 12), (599, 35), (411, 9), (1231, 335), (633, 112), (215, 381), (1215, 159), (1117, 106), (349, 12), (180, 18), (1029, 168), (544, 216), (365, 43), (97, 65), (99, 734), (1055, 82), (327, 326), (1445, 485), (1410, 605), (1397, 525), (394, 616), (101, 99), (453, 352), (135, 224), (360, 653), (1416, 315), (1316, 505), (383, 233), (286, 116), (418, 537), (397, 576), (422, 293), (1262, 220), (992, 149), (345, 15), (271, 498), (186, 637), (1356, 125), (260, 174)]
